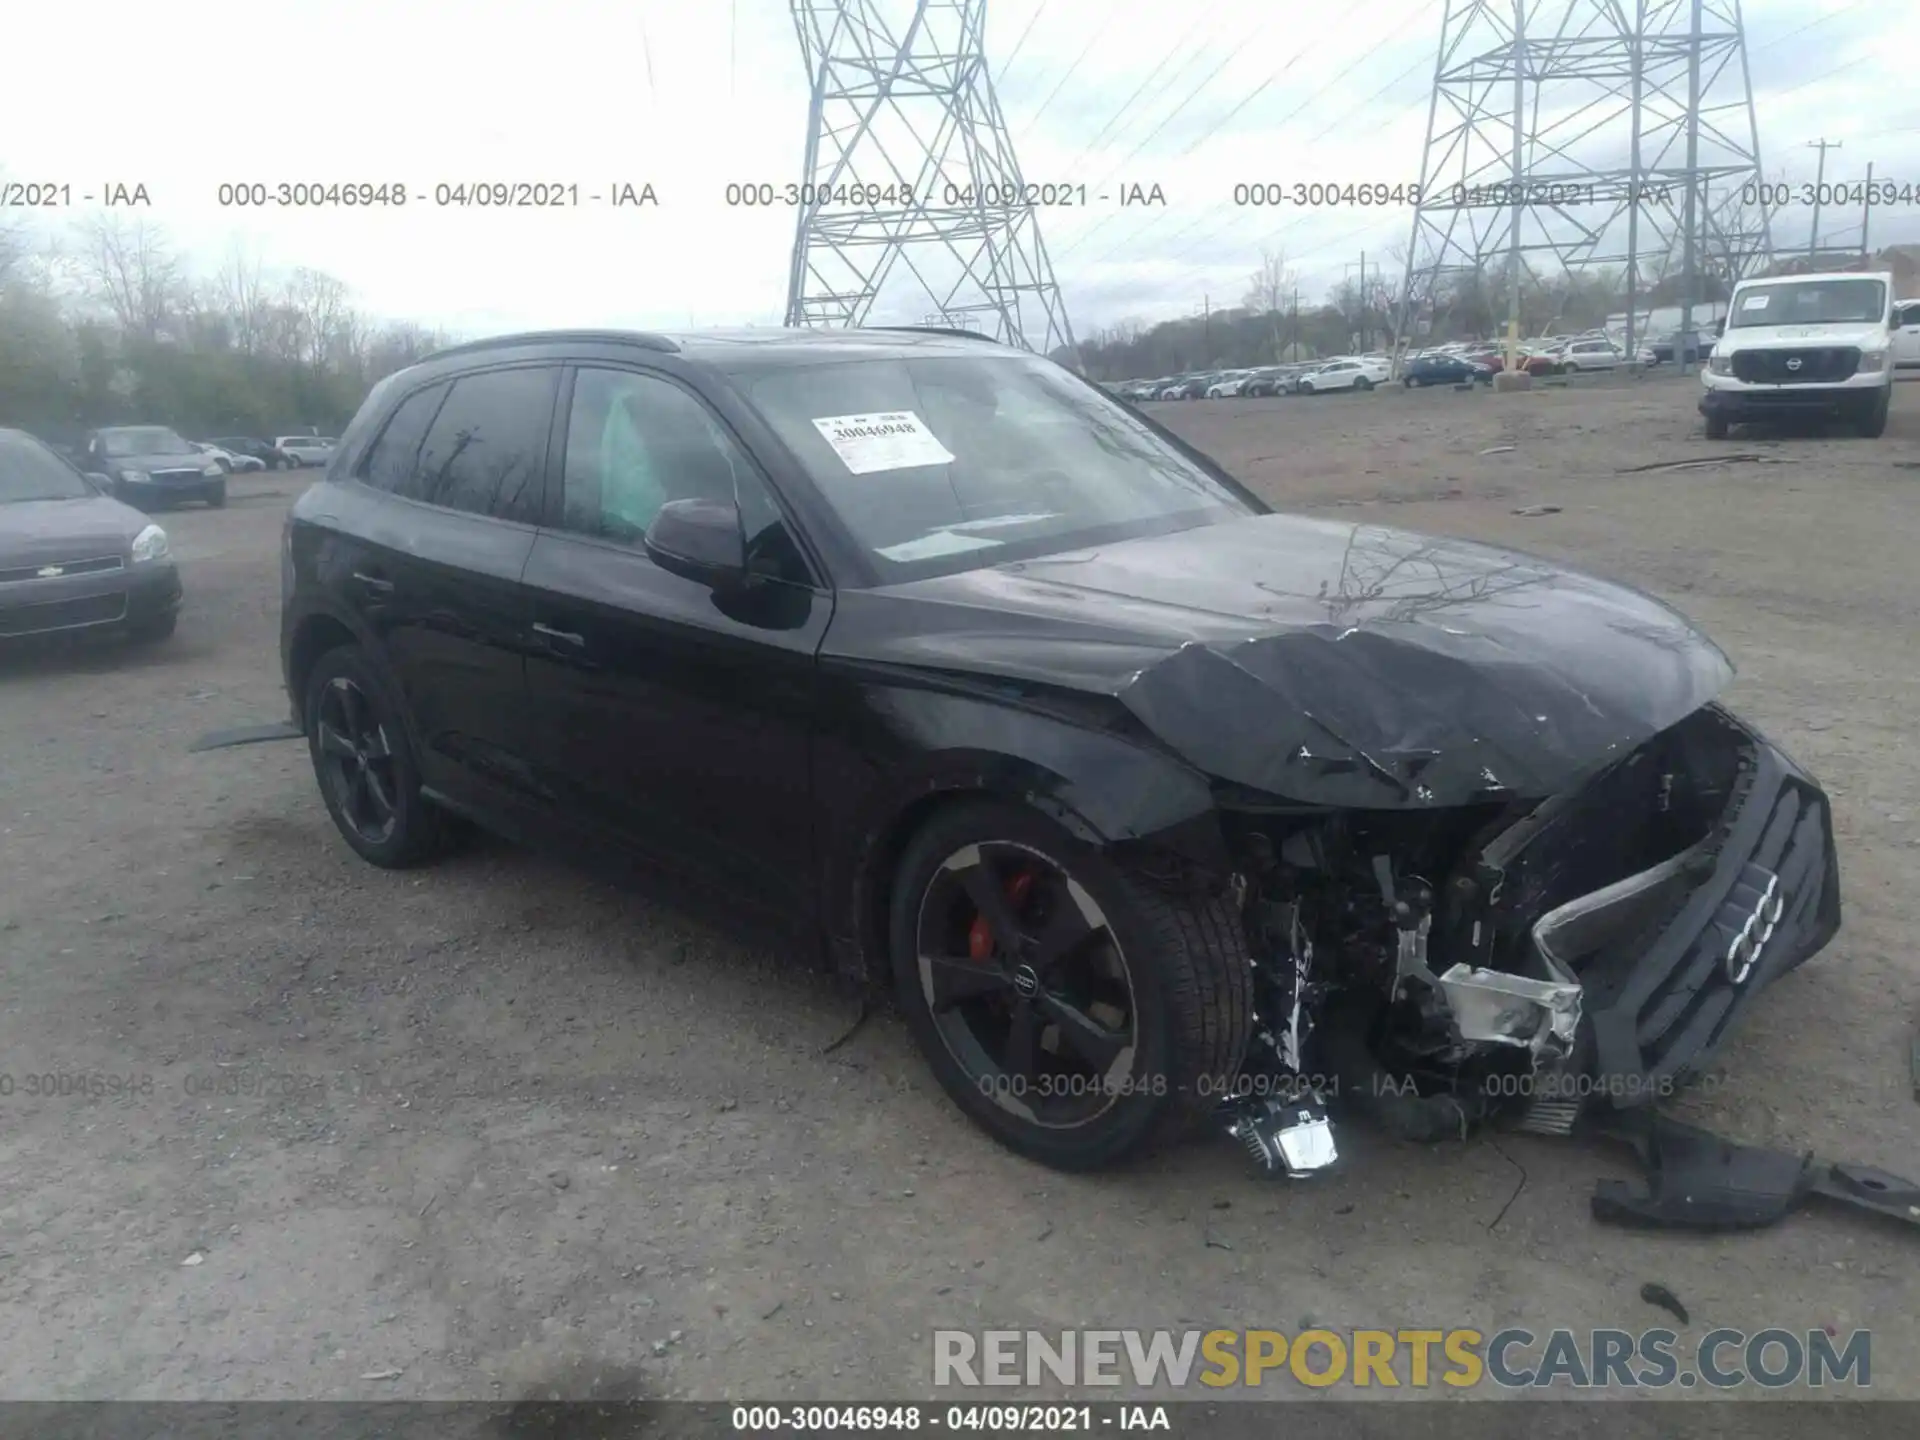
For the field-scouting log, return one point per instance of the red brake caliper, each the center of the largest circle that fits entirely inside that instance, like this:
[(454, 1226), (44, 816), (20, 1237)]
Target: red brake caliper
[(980, 934)]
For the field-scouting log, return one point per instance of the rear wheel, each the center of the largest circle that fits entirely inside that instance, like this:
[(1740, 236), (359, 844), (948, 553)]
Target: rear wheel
[(1363, 383), (1072, 1012), (365, 765)]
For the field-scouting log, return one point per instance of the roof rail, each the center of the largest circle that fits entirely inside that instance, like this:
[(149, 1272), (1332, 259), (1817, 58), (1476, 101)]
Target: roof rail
[(643, 339), (935, 330)]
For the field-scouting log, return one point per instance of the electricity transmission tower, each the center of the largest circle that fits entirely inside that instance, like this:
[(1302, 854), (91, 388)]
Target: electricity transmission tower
[(909, 164), (1573, 133)]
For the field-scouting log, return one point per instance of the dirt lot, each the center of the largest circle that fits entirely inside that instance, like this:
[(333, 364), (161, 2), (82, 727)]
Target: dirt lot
[(507, 1130)]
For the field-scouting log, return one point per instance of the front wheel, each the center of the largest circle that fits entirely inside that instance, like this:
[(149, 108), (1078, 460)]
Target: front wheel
[(1717, 427), (1873, 424), (364, 762), (216, 495), (1363, 383), (1074, 1012)]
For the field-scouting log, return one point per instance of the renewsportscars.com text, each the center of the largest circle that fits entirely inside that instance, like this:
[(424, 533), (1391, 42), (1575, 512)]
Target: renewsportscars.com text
[(1393, 1359)]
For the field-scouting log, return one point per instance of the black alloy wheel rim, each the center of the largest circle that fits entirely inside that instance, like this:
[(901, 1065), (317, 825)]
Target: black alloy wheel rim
[(357, 761), (1041, 1018)]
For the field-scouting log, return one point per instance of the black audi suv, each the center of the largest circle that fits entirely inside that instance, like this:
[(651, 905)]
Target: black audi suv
[(992, 690)]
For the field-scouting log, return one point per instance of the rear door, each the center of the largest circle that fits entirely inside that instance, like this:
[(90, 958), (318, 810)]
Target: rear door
[(439, 529), (674, 723)]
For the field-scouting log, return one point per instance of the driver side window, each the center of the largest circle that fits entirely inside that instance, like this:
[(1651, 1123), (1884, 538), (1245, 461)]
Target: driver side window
[(635, 441)]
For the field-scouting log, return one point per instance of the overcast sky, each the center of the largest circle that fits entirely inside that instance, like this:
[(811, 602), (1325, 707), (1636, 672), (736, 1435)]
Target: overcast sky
[(689, 95)]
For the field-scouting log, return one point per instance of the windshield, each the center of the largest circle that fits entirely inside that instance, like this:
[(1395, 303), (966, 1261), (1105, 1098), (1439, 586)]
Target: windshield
[(1810, 302), (946, 463), (30, 471), (144, 440)]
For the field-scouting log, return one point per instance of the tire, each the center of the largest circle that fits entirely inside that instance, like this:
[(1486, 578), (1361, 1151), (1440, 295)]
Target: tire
[(154, 629), (1717, 427), (1408, 382), (1362, 383), (1175, 971), (385, 819), (1306, 389), (216, 495), (1873, 424)]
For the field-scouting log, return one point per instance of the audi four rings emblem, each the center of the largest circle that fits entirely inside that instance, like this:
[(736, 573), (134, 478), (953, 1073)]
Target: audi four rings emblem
[(1758, 896)]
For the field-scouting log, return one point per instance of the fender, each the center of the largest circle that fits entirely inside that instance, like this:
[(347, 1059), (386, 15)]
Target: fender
[(919, 744)]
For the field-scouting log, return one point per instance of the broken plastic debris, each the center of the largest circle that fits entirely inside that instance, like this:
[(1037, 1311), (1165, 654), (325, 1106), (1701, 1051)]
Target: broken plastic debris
[(195, 1258)]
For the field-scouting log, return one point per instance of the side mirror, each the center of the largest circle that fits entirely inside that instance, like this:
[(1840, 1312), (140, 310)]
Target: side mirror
[(700, 540)]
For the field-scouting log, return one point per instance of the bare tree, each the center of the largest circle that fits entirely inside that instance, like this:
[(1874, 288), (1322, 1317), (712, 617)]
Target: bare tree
[(243, 297), (1271, 290), (318, 303), (131, 269)]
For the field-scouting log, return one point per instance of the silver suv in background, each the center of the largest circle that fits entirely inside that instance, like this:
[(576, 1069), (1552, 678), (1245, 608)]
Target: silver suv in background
[(306, 449)]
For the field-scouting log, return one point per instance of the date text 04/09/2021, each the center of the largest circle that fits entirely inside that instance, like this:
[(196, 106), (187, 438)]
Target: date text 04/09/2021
[(992, 1419)]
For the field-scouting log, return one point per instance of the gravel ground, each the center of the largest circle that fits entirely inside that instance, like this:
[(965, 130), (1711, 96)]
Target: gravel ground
[(499, 1129)]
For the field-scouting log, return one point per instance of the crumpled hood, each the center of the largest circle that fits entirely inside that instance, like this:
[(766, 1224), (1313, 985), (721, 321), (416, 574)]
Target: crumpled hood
[(35, 532), (1321, 661)]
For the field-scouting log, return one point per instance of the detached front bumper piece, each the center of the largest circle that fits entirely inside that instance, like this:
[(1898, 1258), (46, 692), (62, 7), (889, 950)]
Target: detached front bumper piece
[(1769, 901)]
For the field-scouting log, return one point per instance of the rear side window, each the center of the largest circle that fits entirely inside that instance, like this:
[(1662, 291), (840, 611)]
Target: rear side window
[(390, 461), (486, 450)]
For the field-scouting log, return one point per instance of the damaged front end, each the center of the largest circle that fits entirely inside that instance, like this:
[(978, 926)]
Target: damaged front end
[(1531, 962)]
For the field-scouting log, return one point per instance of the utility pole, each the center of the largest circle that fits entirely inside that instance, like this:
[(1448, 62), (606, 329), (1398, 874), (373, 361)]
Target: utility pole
[(1639, 66), (1206, 330), (1866, 212), (1517, 180), (1819, 178), (1293, 324), (1687, 346)]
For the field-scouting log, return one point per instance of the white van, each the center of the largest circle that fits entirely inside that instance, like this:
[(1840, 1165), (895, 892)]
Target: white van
[(1804, 345)]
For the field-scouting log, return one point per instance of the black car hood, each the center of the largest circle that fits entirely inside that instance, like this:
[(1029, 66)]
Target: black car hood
[(1318, 661)]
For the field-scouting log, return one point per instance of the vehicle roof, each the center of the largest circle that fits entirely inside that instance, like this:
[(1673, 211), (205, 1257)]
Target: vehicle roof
[(776, 345), (1886, 275)]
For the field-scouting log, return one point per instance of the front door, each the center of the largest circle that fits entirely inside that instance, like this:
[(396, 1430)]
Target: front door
[(679, 723)]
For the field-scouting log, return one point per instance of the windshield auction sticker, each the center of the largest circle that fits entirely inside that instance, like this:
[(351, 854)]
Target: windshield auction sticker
[(896, 440)]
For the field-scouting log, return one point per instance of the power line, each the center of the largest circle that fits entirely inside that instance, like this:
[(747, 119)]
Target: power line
[(1214, 210), (1126, 105), (1014, 54)]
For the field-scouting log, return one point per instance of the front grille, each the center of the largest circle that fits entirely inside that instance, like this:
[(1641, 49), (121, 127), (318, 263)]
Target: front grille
[(63, 614), (96, 566), (177, 477), (1819, 365), (1681, 996)]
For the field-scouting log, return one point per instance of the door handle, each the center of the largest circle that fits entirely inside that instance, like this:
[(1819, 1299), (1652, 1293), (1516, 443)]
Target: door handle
[(374, 583), (564, 637)]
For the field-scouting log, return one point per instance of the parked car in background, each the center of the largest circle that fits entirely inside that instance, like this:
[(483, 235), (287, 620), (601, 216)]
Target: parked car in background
[(1269, 381), (268, 455), (1906, 335), (1440, 369), (1592, 354), (1189, 387), (306, 450), (1138, 389), (230, 461), (152, 464), (1232, 383), (1808, 345), (74, 559), (1362, 372)]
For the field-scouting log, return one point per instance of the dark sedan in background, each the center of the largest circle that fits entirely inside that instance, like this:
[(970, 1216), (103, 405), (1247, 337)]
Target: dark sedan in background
[(151, 465), (1443, 370), (72, 559)]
